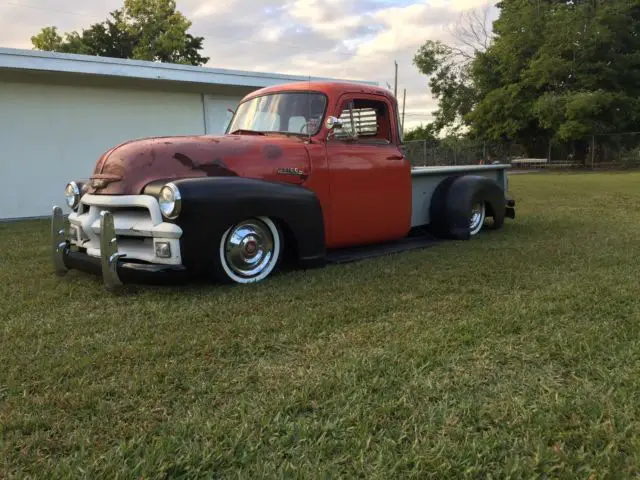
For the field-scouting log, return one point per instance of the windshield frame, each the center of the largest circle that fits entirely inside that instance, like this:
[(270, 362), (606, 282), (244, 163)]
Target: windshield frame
[(282, 92)]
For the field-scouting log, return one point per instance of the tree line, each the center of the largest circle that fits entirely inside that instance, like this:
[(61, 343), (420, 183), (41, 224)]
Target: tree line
[(548, 70)]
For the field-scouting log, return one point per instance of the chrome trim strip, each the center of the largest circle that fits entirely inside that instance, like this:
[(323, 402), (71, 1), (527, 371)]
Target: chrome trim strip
[(420, 171), (147, 201), (59, 243)]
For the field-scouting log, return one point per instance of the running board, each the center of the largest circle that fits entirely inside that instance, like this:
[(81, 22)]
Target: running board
[(353, 254)]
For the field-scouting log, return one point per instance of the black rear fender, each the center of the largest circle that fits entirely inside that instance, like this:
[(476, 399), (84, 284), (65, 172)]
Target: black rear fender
[(452, 200), (210, 205)]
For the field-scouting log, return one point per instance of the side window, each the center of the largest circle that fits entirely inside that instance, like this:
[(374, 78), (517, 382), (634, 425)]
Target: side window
[(368, 121)]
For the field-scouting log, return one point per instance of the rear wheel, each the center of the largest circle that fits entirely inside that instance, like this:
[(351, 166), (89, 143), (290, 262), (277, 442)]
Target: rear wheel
[(250, 250), (478, 215)]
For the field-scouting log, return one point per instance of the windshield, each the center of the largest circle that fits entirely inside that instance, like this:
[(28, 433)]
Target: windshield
[(296, 113)]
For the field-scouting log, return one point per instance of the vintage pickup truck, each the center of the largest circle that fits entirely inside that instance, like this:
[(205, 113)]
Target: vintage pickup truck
[(303, 171)]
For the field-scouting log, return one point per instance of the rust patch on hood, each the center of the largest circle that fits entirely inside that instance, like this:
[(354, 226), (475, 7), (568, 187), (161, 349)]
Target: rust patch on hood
[(128, 167), (217, 168)]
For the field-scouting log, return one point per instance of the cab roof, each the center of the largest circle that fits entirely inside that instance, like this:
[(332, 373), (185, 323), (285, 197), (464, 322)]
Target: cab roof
[(331, 89)]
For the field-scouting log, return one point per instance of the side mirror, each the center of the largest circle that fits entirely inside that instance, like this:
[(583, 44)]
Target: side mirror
[(333, 123)]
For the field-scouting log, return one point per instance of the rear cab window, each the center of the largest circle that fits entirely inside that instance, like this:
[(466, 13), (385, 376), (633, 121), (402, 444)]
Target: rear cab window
[(366, 121)]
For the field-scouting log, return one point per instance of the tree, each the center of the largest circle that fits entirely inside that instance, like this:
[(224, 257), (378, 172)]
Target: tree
[(561, 70), (449, 68), (553, 70), (587, 69), (143, 29), (503, 111), (422, 132), (48, 39)]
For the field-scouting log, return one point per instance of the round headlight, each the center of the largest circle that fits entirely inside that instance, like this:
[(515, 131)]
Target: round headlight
[(72, 195), (170, 201)]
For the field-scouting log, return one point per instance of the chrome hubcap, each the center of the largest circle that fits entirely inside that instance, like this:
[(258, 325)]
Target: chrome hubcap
[(248, 249), (477, 217)]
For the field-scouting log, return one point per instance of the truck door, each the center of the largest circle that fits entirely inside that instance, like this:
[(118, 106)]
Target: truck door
[(370, 180)]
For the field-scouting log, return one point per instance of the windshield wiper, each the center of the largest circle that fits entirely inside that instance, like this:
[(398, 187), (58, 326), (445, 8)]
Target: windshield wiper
[(242, 130)]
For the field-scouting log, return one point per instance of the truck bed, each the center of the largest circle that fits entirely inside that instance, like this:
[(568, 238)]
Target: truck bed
[(424, 180)]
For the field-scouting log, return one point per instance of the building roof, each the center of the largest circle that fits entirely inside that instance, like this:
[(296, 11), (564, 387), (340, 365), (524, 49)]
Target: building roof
[(35, 60)]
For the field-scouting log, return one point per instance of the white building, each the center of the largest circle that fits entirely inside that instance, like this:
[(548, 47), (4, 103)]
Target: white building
[(60, 112)]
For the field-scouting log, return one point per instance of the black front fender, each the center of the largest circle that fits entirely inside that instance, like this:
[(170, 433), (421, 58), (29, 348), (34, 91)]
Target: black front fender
[(210, 205)]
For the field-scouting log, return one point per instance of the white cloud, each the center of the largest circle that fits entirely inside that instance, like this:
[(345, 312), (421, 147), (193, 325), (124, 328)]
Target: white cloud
[(359, 39), (316, 11), (460, 5), (207, 9)]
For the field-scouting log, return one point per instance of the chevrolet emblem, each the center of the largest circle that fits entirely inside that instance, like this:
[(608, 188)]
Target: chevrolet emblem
[(292, 171)]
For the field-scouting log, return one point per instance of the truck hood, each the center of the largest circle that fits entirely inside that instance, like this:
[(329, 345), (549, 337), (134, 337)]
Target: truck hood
[(128, 167)]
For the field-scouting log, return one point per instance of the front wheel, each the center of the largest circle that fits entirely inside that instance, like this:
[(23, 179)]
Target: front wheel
[(249, 251)]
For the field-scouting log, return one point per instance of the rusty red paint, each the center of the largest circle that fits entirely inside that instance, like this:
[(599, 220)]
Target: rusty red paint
[(130, 166), (365, 194)]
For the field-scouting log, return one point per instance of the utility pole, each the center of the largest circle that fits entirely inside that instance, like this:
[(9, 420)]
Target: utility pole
[(395, 84), (404, 99)]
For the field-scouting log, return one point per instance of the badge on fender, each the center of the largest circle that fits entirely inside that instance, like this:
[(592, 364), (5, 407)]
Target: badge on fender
[(292, 171)]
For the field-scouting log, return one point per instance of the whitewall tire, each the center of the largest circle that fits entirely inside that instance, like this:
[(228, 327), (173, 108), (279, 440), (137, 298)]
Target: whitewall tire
[(250, 250)]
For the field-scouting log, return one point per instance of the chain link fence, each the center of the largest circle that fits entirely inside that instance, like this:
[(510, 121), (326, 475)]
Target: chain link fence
[(427, 153), (458, 152), (615, 151), (611, 151)]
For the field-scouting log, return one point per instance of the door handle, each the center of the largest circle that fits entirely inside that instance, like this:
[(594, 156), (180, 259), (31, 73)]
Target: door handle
[(395, 157)]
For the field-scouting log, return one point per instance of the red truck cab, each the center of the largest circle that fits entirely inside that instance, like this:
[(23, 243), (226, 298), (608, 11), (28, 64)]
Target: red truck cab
[(358, 171), (304, 168)]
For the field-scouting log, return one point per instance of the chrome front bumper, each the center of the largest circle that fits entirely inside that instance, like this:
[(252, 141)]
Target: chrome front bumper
[(109, 255), (114, 271)]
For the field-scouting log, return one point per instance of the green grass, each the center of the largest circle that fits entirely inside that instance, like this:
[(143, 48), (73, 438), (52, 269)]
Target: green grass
[(516, 354)]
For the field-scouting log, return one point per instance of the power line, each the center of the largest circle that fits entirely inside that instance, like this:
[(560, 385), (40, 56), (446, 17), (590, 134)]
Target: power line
[(395, 83), (404, 101)]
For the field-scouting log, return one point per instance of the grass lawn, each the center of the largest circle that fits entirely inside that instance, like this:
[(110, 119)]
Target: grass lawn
[(517, 353)]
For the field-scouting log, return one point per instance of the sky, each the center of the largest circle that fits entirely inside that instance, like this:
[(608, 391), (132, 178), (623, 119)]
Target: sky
[(346, 39)]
